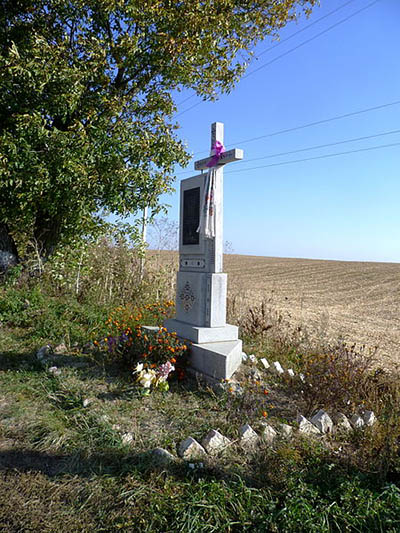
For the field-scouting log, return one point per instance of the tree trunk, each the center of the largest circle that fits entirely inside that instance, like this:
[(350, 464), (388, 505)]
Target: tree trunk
[(8, 250), (47, 234)]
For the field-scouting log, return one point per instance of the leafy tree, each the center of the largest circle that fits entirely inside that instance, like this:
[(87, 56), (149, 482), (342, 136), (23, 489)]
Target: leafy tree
[(86, 111)]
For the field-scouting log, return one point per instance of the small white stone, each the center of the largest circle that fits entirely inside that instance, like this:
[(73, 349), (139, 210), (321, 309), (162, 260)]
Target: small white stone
[(54, 370), (191, 449), (162, 457), (276, 368), (265, 363), (248, 436), (127, 438), (214, 442), (43, 352), (290, 371), (244, 357), (342, 422), (268, 433), (306, 427), (285, 430), (369, 418), (356, 421), (86, 402), (322, 421)]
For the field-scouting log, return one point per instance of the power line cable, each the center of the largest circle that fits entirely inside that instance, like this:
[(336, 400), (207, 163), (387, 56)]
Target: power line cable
[(189, 108), (345, 141), (284, 54), (281, 41), (316, 157), (319, 146), (186, 99), (304, 28), (309, 124), (311, 39)]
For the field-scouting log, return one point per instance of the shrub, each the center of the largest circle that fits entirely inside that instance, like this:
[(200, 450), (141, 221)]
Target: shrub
[(156, 353), (336, 377)]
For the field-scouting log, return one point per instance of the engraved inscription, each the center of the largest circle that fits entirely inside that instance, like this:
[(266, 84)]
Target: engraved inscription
[(187, 297), (191, 216), (193, 263)]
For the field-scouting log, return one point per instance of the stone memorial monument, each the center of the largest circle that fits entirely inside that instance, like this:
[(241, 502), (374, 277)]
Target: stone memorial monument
[(216, 351)]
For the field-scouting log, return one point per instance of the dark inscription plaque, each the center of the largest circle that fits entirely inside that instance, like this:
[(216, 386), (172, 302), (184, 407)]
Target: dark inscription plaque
[(191, 216)]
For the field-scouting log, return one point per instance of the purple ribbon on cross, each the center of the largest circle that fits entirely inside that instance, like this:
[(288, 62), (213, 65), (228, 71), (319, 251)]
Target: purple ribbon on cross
[(218, 149)]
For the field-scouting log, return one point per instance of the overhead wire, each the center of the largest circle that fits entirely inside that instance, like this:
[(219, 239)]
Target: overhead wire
[(281, 41), (284, 54), (315, 157), (318, 122), (311, 39), (317, 147), (310, 124)]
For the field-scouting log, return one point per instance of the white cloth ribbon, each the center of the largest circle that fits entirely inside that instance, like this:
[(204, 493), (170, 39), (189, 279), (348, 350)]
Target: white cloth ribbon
[(207, 210)]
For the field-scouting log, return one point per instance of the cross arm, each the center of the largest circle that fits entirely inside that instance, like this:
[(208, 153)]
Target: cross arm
[(236, 154)]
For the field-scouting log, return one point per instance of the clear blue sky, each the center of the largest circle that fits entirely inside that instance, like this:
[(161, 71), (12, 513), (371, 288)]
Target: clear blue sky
[(345, 207)]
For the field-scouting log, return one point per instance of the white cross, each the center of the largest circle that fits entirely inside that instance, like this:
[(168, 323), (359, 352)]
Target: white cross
[(214, 246), (217, 134)]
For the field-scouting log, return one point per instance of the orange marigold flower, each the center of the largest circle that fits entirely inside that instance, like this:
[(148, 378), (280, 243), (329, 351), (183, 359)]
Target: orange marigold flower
[(265, 414), (265, 391), (173, 360)]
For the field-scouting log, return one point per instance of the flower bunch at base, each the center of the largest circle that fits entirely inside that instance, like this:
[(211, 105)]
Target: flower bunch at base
[(153, 377)]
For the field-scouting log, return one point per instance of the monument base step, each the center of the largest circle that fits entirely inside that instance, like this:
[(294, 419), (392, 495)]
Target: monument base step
[(212, 360), (201, 335), (218, 360)]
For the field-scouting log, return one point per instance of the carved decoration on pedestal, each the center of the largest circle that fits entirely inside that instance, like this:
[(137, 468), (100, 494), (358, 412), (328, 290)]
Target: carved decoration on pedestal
[(187, 297)]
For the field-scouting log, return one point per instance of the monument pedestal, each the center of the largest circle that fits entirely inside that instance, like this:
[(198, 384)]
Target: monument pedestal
[(201, 335), (215, 352), (201, 298), (217, 360)]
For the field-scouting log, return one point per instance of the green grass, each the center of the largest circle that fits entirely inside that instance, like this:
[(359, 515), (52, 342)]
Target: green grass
[(149, 501), (65, 468)]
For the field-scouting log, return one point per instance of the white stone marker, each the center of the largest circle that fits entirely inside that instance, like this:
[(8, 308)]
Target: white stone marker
[(201, 285)]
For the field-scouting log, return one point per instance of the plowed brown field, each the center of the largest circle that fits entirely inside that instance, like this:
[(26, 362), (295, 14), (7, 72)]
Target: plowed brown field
[(358, 301)]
